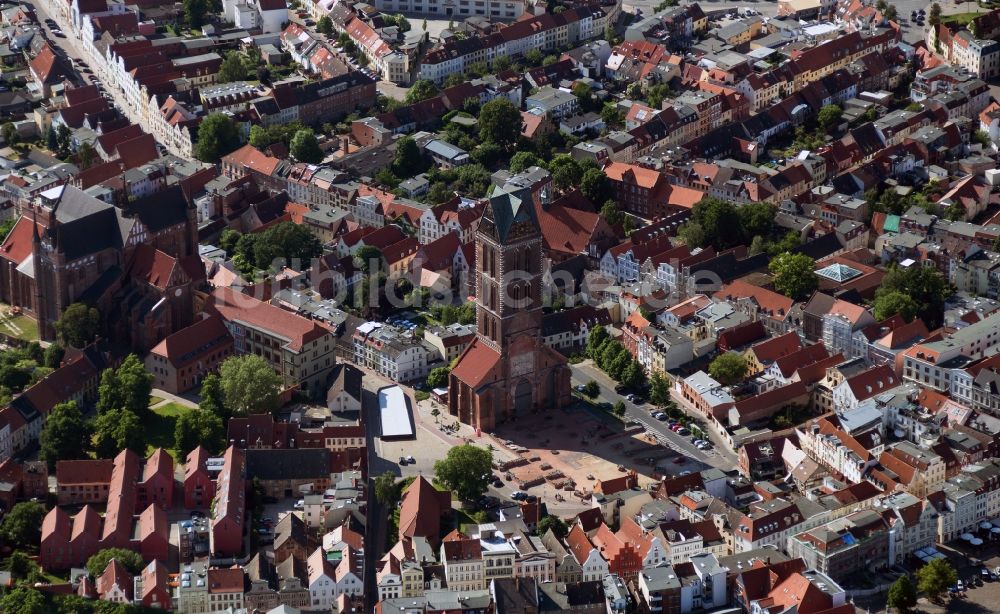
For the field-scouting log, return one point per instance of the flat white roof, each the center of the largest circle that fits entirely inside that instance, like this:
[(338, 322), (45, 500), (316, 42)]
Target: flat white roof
[(394, 412)]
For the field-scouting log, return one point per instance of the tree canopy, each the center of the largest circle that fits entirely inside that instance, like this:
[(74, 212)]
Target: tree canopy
[(129, 559), (422, 89), (386, 489), (465, 470), (116, 430), (723, 225), (305, 148), (22, 526), (64, 436), (793, 275), (935, 577), (78, 325), (438, 377), (249, 385), (500, 123), (888, 304), (286, 241), (728, 369), (199, 427), (234, 68), (924, 285), (902, 595), (829, 116), (217, 136), (556, 524), (127, 387)]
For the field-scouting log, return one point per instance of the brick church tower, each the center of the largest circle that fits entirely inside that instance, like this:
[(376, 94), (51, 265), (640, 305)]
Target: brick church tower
[(508, 370)]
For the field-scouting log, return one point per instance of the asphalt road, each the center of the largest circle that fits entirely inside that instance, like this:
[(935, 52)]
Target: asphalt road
[(719, 456)]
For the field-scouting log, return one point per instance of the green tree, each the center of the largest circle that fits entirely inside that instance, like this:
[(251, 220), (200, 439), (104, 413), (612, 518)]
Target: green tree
[(199, 427), (793, 275), (465, 470), (51, 139), (116, 430), (523, 160), (934, 15), (127, 387), (422, 89), (611, 213), (634, 376), (64, 436), (233, 68), (9, 133), (659, 389), (888, 304), (285, 243), (129, 559), (386, 490), (656, 94), (23, 600), (325, 25), (566, 172), (619, 408), (194, 13), (501, 63), (925, 285), (212, 397), (78, 325), (369, 258), (612, 116), (22, 526), (902, 595), (20, 565), (53, 355), (217, 136), (249, 385), (935, 577), (829, 116), (305, 147), (438, 377), (591, 389), (596, 186), (555, 524), (407, 161), (728, 369), (500, 123), (596, 338), (533, 56)]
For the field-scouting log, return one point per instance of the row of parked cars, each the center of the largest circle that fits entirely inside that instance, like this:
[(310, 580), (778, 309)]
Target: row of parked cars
[(985, 575)]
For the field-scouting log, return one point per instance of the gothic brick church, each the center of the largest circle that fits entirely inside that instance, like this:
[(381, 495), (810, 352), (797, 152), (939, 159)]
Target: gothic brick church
[(138, 263), (507, 370)]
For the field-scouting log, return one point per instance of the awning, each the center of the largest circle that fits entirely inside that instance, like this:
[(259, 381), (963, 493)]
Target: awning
[(985, 525), (976, 542), (967, 536)]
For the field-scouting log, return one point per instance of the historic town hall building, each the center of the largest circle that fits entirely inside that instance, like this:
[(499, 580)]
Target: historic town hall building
[(508, 370)]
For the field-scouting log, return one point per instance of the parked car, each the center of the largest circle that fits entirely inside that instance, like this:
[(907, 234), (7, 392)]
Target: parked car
[(300, 504), (411, 460), (403, 461)]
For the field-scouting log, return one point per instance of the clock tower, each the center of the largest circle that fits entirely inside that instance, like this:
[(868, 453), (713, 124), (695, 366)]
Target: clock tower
[(508, 370)]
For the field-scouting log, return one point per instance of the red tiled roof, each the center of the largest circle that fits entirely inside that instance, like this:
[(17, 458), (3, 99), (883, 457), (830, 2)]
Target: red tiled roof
[(873, 381), (138, 151), (250, 158), (47, 66), (84, 471), (771, 303), (229, 580), (18, 244), (479, 364), (233, 306), (190, 343), (579, 544), (114, 574), (776, 347), (421, 508)]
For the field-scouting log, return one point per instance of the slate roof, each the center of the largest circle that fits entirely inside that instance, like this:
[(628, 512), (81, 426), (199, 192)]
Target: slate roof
[(508, 208)]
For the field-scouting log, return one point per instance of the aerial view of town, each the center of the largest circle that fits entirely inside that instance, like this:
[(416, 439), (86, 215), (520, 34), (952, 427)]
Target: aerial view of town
[(499, 306)]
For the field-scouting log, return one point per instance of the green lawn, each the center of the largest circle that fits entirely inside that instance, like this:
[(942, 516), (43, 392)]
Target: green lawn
[(160, 427), (153, 400), (21, 327), (962, 19)]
